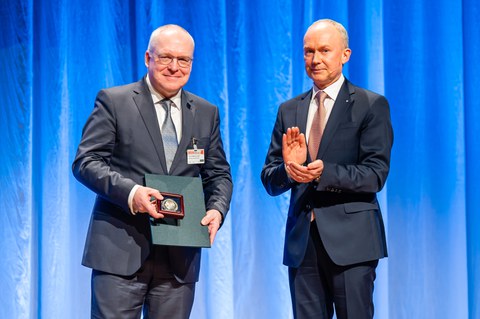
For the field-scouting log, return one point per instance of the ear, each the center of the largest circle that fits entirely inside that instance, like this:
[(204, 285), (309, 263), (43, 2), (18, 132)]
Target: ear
[(147, 58), (346, 55)]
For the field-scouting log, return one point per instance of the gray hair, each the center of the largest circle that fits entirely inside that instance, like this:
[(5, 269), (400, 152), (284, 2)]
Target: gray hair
[(159, 30), (340, 28)]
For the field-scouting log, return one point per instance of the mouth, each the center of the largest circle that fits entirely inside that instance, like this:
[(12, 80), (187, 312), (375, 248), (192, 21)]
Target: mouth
[(318, 70), (172, 77)]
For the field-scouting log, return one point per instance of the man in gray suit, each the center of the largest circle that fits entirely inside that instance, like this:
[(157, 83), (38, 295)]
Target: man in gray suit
[(335, 233), (139, 128)]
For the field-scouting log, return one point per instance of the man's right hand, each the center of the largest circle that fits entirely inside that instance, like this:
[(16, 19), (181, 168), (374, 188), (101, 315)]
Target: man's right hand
[(294, 146), (142, 202)]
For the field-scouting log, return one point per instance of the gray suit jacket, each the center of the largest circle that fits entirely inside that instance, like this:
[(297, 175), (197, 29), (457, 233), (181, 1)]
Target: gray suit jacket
[(121, 142), (355, 149)]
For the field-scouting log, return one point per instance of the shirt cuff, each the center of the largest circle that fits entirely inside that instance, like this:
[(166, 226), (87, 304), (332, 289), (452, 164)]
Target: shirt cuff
[(290, 180), (130, 198)]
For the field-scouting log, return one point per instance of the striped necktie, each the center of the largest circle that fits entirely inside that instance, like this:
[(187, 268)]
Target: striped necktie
[(318, 124), (169, 134)]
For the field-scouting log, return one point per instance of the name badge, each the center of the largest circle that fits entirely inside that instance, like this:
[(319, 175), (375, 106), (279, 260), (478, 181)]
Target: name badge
[(196, 156)]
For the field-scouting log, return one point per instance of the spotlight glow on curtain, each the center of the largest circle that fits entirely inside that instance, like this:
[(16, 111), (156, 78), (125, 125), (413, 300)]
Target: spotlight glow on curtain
[(55, 56)]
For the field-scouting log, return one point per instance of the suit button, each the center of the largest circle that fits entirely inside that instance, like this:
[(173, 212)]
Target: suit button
[(308, 207)]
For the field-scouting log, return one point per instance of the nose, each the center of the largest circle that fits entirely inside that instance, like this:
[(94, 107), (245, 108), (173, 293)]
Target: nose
[(317, 57), (173, 65)]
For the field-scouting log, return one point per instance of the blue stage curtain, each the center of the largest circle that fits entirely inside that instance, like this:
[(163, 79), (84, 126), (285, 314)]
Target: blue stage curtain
[(423, 55)]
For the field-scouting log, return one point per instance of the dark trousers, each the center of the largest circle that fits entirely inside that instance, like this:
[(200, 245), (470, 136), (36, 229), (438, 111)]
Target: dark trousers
[(319, 286), (152, 289)]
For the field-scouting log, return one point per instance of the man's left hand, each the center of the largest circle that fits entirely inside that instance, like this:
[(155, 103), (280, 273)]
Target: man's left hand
[(305, 174), (213, 219)]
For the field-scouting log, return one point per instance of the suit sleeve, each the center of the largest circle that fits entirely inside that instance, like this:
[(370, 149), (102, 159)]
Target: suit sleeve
[(92, 162), (274, 176), (369, 173), (216, 177)]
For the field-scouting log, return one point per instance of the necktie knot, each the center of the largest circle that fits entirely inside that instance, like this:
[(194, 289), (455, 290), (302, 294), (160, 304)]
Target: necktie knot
[(320, 97), (167, 105)]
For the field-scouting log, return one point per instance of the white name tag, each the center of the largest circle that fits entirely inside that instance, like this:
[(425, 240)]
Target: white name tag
[(196, 156)]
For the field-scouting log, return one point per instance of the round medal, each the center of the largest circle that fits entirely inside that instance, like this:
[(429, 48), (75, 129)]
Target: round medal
[(169, 205)]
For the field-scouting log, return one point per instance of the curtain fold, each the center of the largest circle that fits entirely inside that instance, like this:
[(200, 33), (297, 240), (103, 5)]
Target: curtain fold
[(18, 278), (471, 148), (423, 56)]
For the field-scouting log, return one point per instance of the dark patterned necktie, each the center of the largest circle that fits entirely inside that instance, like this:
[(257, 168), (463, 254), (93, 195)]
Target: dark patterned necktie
[(169, 134), (318, 124)]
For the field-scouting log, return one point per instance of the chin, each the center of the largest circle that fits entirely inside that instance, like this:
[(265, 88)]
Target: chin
[(319, 79), (173, 81)]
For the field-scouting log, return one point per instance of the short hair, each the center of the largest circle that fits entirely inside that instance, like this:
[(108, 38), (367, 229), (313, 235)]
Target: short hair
[(156, 33), (340, 28)]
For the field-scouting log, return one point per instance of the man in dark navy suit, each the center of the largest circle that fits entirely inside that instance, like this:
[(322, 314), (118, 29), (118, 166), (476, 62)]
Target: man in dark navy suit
[(139, 128), (331, 147)]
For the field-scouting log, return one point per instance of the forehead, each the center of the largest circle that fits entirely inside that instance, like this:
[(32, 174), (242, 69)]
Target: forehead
[(322, 35), (173, 41)]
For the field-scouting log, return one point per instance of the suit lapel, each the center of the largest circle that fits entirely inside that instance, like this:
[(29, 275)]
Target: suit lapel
[(302, 111), (342, 104), (188, 115), (302, 114), (144, 102)]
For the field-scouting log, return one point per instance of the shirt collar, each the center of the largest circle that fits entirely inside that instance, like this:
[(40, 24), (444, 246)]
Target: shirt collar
[(157, 97), (331, 90)]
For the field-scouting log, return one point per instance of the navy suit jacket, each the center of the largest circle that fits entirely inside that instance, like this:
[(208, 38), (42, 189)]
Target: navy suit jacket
[(121, 142), (355, 149)]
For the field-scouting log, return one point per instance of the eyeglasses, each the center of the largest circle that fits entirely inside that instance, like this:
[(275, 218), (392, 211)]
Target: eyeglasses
[(183, 61)]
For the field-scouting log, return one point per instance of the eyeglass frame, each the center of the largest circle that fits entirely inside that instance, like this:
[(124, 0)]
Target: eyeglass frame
[(185, 60)]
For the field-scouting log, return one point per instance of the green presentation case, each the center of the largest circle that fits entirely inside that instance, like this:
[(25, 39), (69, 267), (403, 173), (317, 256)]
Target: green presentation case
[(180, 232)]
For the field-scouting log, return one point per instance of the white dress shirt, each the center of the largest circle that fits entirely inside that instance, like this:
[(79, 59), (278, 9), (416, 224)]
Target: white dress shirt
[(332, 92)]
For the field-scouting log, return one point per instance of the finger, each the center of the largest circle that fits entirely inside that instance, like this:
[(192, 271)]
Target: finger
[(294, 169), (301, 139), (315, 164), (292, 134), (150, 207), (157, 195), (299, 179), (206, 220), (295, 132), (297, 167), (293, 173), (152, 211), (300, 174), (303, 171), (213, 233), (156, 215), (151, 192), (289, 136), (303, 179), (210, 217), (213, 227)]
